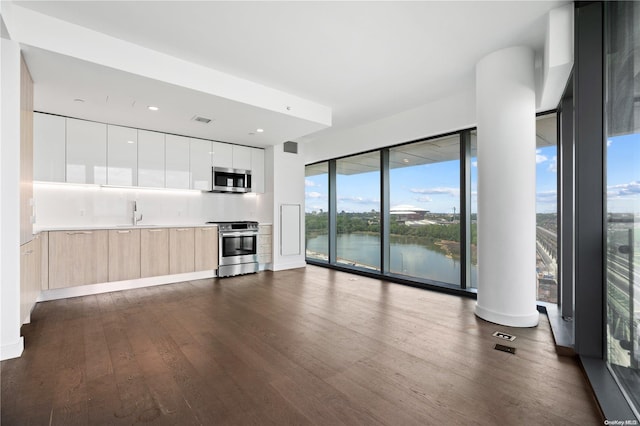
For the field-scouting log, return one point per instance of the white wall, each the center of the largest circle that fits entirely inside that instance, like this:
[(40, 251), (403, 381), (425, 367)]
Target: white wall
[(448, 114), (60, 205), (11, 343), (287, 187)]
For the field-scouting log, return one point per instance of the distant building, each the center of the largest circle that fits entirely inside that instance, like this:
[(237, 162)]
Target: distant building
[(405, 212)]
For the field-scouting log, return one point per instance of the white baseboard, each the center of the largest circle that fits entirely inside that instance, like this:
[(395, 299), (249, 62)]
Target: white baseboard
[(86, 290), (12, 350)]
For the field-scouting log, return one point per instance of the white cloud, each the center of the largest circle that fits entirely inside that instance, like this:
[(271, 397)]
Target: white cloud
[(309, 183), (314, 194), (609, 142), (553, 165), (474, 164), (547, 197), (539, 157), (423, 199), (359, 200), (454, 192), (624, 189)]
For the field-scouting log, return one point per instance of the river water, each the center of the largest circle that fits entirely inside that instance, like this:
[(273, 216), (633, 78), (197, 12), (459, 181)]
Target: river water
[(407, 256)]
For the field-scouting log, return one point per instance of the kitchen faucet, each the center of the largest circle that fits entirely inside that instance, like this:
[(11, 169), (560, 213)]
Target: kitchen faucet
[(136, 218)]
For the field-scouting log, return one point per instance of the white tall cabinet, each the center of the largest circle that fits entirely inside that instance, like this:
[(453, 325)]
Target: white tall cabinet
[(86, 152), (177, 162), (122, 156), (200, 153), (49, 139), (151, 158)]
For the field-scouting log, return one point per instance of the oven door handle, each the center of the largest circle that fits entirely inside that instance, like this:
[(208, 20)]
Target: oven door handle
[(238, 234)]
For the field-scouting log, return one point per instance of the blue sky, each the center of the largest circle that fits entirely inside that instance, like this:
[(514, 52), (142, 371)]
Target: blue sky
[(623, 174), (434, 187)]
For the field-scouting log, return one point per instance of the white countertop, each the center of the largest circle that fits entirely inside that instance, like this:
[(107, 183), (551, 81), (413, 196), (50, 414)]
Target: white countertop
[(37, 229), (110, 227)]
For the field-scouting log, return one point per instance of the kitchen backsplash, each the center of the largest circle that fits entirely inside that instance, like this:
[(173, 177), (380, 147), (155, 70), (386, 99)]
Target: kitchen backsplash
[(58, 205)]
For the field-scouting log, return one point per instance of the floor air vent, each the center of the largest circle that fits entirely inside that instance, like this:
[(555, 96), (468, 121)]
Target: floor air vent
[(504, 348)]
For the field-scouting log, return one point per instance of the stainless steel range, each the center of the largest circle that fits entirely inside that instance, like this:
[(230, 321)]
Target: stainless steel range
[(237, 248)]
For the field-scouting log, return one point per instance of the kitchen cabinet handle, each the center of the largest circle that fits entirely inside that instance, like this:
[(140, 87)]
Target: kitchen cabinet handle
[(182, 229), (207, 229), (80, 233), (125, 232), (155, 230), (28, 252)]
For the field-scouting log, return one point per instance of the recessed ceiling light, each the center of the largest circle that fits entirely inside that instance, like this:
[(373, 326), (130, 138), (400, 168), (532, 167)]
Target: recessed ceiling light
[(259, 130), (130, 142), (78, 100), (152, 108), (405, 160)]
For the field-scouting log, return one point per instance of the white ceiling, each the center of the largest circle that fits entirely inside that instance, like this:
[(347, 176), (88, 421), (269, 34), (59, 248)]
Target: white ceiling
[(365, 60)]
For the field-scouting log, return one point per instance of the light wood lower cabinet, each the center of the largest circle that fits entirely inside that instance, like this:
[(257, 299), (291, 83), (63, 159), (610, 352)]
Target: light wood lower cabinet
[(74, 258), (206, 248), (29, 277), (154, 252), (124, 254), (181, 250), (78, 258), (265, 244), (44, 260)]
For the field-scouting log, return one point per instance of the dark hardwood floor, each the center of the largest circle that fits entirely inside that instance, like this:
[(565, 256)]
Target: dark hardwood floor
[(305, 346)]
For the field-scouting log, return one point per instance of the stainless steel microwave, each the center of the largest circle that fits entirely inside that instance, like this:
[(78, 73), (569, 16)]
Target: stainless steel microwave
[(231, 180)]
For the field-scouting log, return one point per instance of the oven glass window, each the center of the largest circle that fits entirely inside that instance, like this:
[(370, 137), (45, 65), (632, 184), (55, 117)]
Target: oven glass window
[(238, 245)]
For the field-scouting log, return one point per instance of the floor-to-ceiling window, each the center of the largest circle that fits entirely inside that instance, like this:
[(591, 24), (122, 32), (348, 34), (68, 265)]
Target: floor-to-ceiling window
[(424, 186), (358, 211), (547, 207), (404, 211), (473, 180), (317, 211), (623, 193)]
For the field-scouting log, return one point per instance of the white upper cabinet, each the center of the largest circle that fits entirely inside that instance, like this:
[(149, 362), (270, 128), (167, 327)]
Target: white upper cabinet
[(201, 164), (49, 134), (122, 156), (150, 159), (257, 170), (222, 155), (177, 162), (241, 157), (86, 152)]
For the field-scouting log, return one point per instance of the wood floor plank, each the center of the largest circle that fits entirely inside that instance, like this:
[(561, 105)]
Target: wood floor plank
[(303, 346)]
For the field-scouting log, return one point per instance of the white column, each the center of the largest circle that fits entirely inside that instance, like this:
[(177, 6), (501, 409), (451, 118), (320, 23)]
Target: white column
[(11, 343), (505, 107)]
